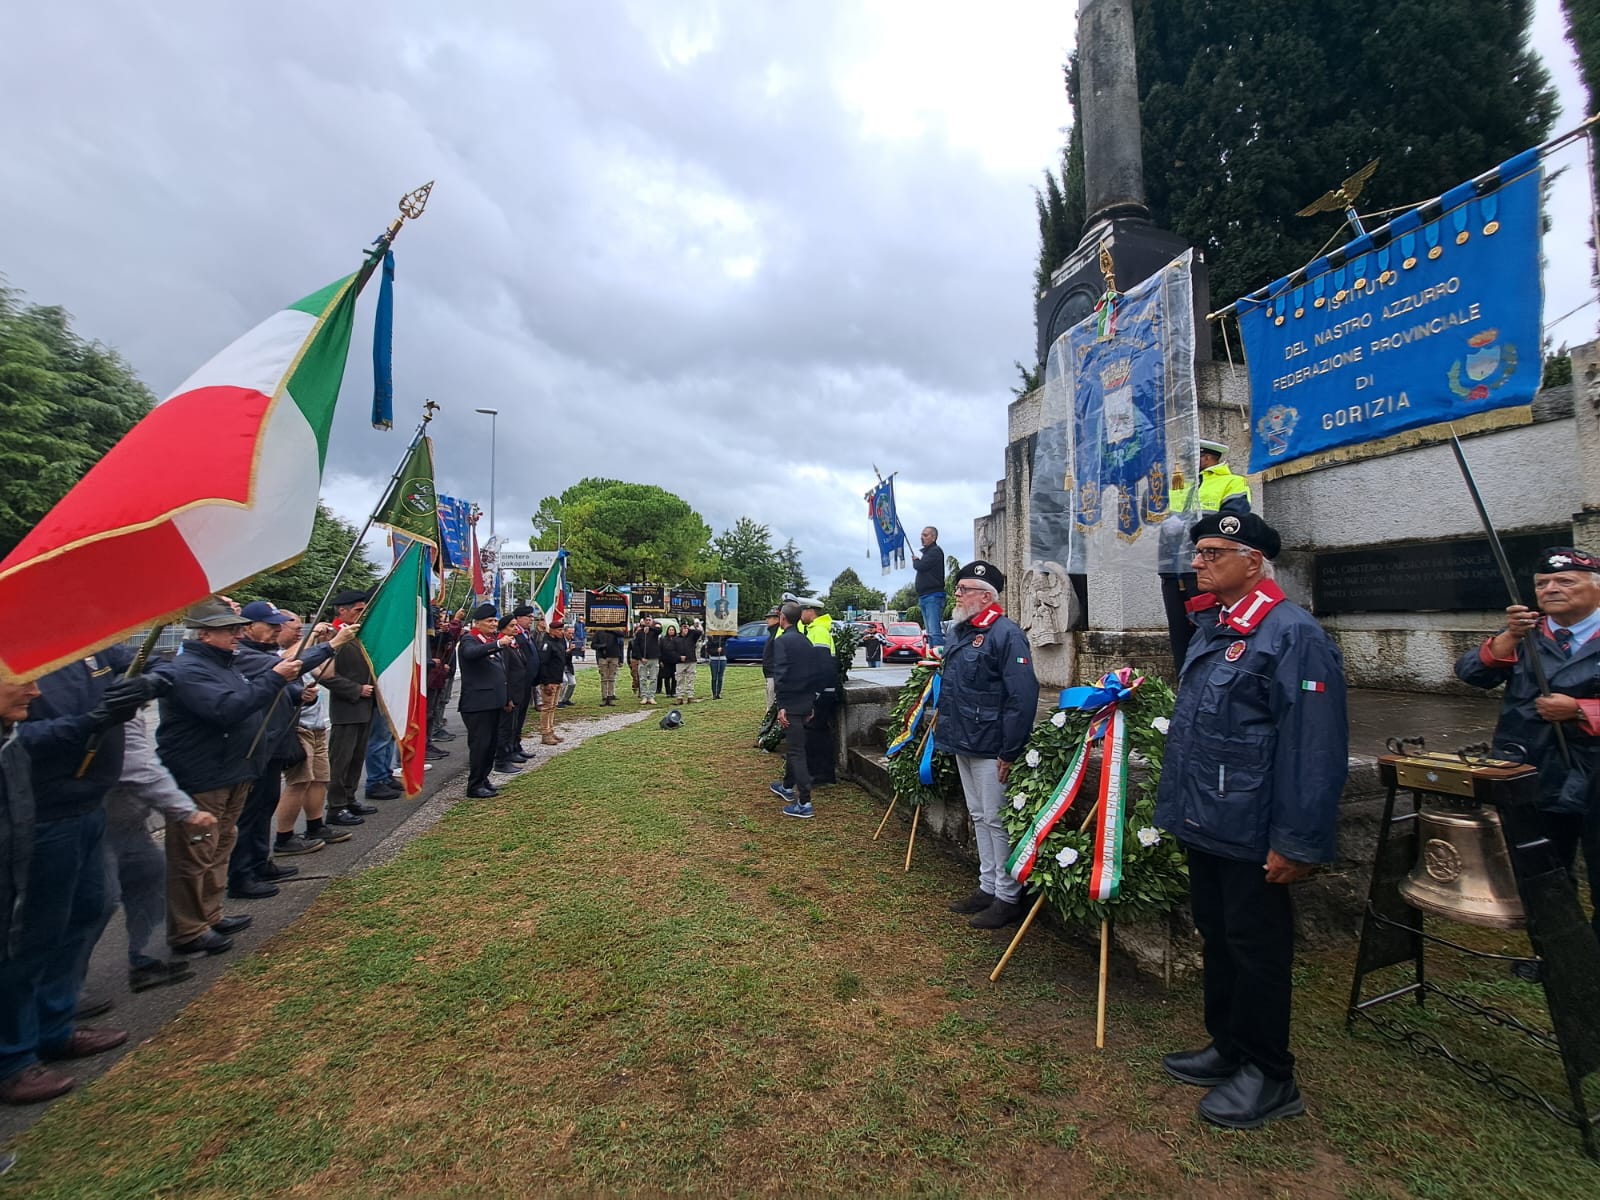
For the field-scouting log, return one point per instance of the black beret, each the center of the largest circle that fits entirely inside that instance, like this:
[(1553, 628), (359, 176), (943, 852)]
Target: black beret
[(483, 612), (1564, 558), (351, 596), (504, 623), (1245, 528), (523, 610), (983, 572)]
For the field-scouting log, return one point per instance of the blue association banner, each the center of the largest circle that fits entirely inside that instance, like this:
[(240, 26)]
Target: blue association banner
[(886, 524), (455, 528), (1434, 317)]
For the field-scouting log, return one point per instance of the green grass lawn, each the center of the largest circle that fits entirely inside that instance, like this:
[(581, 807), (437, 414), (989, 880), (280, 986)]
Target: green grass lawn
[(629, 972)]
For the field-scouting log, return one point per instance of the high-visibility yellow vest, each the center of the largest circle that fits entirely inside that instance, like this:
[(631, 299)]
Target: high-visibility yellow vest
[(820, 631), (1216, 485)]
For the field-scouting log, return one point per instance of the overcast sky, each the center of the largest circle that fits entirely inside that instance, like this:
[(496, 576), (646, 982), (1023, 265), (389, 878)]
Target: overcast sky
[(742, 251)]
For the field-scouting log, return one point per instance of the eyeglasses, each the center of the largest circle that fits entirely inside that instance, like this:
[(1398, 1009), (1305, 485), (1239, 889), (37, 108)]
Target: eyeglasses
[(1210, 554), (961, 590)]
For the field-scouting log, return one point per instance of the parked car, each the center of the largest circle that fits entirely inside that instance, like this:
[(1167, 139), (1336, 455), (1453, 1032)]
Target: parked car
[(747, 645), (907, 642)]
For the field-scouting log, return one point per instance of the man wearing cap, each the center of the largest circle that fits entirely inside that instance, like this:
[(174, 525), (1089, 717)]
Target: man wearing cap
[(350, 709), (552, 669), (483, 696), (929, 584), (1255, 761), (1562, 633), (816, 624), (988, 698), (518, 660), (1219, 489), (210, 719)]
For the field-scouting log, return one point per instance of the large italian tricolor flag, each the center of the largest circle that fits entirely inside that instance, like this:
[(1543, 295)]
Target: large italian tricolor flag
[(218, 484), (394, 635)]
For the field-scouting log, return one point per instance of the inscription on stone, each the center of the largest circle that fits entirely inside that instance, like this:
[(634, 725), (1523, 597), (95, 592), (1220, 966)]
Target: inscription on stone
[(1446, 576)]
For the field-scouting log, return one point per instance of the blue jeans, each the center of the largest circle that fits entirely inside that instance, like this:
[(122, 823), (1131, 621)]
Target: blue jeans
[(61, 915), (932, 606), (718, 666), (382, 757)]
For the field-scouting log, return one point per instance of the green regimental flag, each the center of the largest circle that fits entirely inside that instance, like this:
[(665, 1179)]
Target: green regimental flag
[(412, 507)]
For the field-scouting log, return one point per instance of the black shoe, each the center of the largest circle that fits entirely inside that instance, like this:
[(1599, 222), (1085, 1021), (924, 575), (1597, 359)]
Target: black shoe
[(209, 942), (1203, 1068), (343, 816), (481, 793), (92, 1006), (329, 833), (1529, 970), (999, 914), (158, 974), (508, 768), (1249, 1100), (251, 889), (975, 903), (233, 924), (521, 756), (272, 872), (362, 810), (433, 753), (565, 704), (378, 793), (442, 735)]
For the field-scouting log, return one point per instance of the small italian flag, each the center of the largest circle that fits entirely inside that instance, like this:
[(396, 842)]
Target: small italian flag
[(394, 636), (1313, 685), (216, 485)]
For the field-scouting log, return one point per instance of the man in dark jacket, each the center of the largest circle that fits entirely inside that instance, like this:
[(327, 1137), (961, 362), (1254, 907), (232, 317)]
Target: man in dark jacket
[(794, 682), (552, 670), (930, 585), (1255, 761), (483, 696), (350, 709), (518, 660), (209, 722), (56, 863), (646, 652), (988, 698), (607, 645), (1564, 632), (767, 651)]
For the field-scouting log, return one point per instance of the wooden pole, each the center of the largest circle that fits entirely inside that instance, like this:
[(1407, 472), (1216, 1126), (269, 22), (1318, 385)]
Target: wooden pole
[(1022, 930), (912, 844), (1089, 819), (892, 802), (1100, 1008)]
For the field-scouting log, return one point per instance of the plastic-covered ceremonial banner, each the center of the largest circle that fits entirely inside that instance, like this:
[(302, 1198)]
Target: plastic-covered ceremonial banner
[(1434, 317), (1120, 430), (722, 607)]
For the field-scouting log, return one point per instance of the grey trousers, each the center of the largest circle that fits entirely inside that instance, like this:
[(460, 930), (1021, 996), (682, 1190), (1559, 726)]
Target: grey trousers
[(980, 782)]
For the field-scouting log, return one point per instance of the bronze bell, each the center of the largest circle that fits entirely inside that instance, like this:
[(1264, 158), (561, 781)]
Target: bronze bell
[(1463, 871)]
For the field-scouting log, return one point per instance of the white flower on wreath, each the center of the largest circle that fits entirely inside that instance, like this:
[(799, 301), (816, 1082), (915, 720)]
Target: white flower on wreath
[(1031, 758), (1060, 719), (1161, 725), (1149, 836), (1066, 856), (1019, 802)]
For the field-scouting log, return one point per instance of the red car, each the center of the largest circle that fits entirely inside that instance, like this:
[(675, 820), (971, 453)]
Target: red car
[(907, 642)]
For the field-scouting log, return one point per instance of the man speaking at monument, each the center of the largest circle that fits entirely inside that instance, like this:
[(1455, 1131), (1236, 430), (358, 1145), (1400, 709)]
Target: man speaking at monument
[(1256, 758), (1561, 632), (988, 697)]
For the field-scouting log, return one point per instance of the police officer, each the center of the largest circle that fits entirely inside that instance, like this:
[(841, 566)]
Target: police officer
[(1562, 632), (1219, 490), (1255, 761), (988, 698)]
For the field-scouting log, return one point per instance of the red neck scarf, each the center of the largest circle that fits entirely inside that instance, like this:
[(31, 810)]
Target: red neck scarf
[(986, 617), (1246, 613)]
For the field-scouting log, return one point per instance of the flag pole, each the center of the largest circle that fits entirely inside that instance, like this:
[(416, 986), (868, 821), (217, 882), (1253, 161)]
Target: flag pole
[(428, 409), (1510, 579)]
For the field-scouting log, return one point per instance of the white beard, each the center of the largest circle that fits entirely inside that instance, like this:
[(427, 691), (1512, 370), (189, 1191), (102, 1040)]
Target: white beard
[(965, 610)]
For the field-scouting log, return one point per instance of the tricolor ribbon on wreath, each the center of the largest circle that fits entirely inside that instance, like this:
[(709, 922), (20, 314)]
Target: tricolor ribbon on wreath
[(1103, 699), (926, 707)]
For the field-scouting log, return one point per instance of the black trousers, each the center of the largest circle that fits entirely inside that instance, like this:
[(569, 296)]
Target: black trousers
[(1176, 591), (483, 735), (1568, 831), (253, 849), (1247, 926), (796, 770), (511, 724), (347, 758)]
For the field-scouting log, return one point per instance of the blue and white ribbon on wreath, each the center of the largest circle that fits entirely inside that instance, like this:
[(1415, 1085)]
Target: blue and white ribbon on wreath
[(927, 706)]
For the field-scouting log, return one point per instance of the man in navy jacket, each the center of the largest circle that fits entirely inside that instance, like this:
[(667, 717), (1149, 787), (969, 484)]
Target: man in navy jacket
[(988, 699), (1256, 758)]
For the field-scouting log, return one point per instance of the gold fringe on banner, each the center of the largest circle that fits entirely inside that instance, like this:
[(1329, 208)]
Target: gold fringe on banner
[(1427, 435)]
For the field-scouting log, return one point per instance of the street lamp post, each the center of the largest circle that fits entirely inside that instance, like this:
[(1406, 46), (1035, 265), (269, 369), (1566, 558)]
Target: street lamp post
[(492, 414), (557, 524)]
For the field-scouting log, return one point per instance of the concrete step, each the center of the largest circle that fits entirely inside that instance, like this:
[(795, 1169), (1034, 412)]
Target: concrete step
[(868, 767)]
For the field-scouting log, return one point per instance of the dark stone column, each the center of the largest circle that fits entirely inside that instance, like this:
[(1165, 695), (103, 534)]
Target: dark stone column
[(1108, 88)]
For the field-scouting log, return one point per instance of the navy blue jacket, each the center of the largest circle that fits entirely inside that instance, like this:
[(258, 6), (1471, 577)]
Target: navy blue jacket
[(1561, 789), (1258, 748), (794, 673), (58, 731), (483, 675), (254, 658), (989, 695), (930, 570), (212, 714)]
